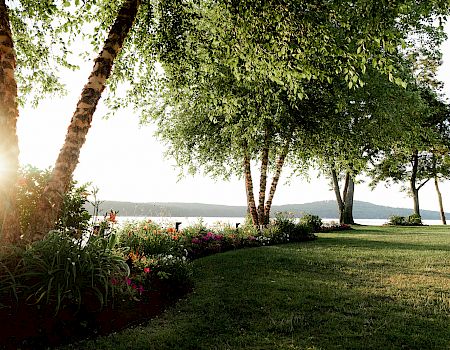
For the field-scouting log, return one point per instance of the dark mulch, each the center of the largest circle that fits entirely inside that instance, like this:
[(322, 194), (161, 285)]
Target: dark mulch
[(29, 327)]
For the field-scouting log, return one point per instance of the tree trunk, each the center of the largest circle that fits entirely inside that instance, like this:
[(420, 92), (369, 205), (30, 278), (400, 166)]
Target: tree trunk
[(337, 193), (51, 201), (9, 147), (415, 195), (348, 201), (441, 206), (263, 178), (414, 189), (249, 189), (275, 179)]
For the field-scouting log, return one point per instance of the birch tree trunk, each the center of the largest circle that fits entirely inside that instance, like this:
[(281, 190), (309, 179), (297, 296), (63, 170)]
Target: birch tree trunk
[(275, 179), (263, 178), (441, 206), (51, 202), (249, 189), (9, 147)]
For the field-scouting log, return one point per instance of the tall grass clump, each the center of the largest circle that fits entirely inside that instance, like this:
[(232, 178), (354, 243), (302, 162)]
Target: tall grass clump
[(60, 271)]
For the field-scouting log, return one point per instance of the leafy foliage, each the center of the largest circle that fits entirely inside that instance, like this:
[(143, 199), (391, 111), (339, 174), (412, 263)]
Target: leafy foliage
[(415, 157), (74, 217), (42, 33), (312, 221), (411, 220)]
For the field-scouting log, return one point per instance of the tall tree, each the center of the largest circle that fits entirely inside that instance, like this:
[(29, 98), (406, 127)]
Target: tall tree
[(410, 159), (52, 199), (31, 45), (52, 27), (359, 122), (9, 148), (218, 55)]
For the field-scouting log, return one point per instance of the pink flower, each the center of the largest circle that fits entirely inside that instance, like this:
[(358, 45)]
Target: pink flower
[(128, 280), (114, 281), (140, 289), (147, 269), (133, 286)]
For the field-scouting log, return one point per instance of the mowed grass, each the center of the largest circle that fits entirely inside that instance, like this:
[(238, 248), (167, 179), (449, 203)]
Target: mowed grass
[(370, 288)]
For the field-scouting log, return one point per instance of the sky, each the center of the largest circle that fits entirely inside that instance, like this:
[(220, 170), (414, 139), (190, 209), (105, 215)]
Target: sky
[(126, 161)]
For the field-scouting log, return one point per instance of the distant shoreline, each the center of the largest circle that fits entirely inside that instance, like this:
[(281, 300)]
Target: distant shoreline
[(324, 209)]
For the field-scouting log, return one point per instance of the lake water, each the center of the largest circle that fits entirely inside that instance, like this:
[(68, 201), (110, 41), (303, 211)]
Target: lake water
[(215, 221)]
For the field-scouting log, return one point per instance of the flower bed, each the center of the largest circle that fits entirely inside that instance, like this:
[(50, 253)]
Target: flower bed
[(112, 278)]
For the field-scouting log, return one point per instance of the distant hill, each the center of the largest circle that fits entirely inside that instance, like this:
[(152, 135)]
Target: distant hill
[(325, 209)]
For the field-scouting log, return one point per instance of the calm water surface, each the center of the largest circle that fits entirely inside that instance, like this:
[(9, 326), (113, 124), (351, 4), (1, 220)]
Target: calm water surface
[(217, 221)]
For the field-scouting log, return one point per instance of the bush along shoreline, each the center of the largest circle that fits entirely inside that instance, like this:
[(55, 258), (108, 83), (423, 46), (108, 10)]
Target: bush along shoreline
[(70, 286)]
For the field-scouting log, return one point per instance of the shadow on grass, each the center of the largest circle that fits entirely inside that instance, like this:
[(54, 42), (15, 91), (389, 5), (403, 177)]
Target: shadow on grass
[(270, 298), (362, 242)]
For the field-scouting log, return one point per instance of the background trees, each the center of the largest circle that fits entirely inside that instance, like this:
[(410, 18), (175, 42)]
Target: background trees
[(412, 158), (253, 61)]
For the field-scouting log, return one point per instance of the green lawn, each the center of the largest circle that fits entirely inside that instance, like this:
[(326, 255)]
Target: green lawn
[(370, 288)]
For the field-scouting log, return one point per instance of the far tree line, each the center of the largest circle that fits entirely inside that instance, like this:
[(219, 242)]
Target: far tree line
[(345, 86)]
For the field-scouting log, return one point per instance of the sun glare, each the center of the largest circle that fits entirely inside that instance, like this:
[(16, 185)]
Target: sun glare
[(4, 168)]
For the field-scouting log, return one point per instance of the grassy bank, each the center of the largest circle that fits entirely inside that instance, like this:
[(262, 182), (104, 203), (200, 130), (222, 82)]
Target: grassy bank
[(371, 288)]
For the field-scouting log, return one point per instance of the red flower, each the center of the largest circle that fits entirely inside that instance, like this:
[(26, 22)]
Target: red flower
[(112, 216), (147, 269)]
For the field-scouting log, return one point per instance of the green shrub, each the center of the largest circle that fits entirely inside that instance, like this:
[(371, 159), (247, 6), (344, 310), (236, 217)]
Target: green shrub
[(194, 230), (397, 220), (284, 224), (247, 228), (414, 220), (74, 217), (61, 271), (32, 181), (312, 221)]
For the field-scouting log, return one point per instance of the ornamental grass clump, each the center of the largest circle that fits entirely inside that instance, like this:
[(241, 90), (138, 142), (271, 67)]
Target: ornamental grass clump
[(60, 272)]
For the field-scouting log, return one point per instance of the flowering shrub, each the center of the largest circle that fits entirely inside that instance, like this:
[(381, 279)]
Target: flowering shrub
[(334, 226), (206, 243), (313, 221), (154, 253), (161, 253), (149, 238)]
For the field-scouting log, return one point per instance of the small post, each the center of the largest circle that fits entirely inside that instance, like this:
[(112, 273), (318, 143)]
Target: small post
[(237, 224), (177, 225)]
